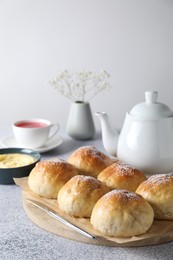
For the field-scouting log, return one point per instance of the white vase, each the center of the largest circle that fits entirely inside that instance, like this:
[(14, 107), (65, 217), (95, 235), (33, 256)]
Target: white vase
[(80, 124)]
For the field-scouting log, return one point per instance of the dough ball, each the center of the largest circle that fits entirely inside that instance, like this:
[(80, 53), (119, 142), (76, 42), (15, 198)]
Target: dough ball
[(121, 213), (48, 177), (158, 191), (89, 161), (79, 195), (122, 176)]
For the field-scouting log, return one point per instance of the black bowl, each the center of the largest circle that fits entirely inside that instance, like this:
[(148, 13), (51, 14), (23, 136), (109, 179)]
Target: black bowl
[(7, 174)]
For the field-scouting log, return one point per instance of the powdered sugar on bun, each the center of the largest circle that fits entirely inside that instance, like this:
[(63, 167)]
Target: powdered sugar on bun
[(121, 176), (123, 195), (122, 213), (89, 161), (158, 191)]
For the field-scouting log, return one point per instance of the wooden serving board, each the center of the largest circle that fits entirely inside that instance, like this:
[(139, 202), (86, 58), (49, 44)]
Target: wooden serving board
[(160, 231), (46, 222)]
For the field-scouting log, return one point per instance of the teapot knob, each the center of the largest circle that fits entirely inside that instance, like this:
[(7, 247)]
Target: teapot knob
[(151, 97)]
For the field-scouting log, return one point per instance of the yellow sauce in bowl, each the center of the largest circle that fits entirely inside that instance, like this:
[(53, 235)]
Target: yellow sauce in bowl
[(13, 160)]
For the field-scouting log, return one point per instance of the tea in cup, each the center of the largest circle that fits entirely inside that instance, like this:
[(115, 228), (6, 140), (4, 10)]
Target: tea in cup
[(34, 133)]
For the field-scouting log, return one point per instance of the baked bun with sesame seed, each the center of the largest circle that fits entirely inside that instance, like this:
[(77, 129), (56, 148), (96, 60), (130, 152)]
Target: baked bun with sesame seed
[(89, 161), (48, 177), (158, 191), (121, 176), (121, 213), (79, 195)]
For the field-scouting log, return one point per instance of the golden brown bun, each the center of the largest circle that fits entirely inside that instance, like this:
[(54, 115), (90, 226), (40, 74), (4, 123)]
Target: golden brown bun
[(79, 195), (47, 177), (122, 213), (121, 176), (89, 161), (158, 191)]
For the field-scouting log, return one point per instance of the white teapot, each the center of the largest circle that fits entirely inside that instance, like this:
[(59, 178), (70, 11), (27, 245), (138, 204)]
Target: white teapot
[(146, 138)]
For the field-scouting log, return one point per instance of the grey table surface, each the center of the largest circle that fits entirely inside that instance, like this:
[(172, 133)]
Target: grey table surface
[(22, 239)]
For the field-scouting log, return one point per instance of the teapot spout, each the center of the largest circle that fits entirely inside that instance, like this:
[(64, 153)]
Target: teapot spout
[(109, 134)]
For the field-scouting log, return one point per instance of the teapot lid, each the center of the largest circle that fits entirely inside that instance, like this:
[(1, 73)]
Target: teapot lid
[(151, 108)]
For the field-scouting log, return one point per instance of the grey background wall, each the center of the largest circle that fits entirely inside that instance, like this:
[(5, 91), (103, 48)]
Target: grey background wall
[(131, 39)]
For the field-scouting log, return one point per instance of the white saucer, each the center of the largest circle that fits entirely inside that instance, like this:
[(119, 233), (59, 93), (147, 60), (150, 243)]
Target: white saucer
[(10, 141)]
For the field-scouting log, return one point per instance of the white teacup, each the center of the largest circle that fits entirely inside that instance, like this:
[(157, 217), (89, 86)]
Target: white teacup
[(34, 133)]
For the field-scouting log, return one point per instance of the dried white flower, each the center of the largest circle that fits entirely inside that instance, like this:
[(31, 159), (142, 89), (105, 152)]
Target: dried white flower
[(80, 86)]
